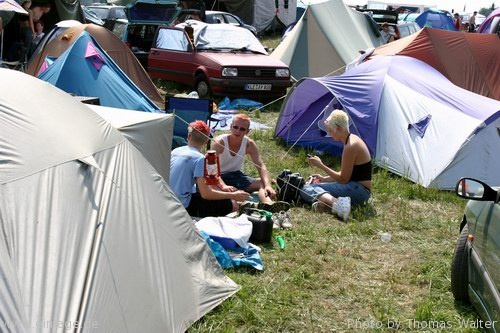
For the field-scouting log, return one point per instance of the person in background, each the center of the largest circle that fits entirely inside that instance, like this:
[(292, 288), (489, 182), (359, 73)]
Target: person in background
[(387, 33), (38, 33), (457, 22), (39, 10), (351, 185), (472, 22), (26, 25), (188, 183), (232, 149)]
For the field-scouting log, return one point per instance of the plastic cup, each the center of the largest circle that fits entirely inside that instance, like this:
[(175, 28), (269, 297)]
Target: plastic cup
[(385, 237)]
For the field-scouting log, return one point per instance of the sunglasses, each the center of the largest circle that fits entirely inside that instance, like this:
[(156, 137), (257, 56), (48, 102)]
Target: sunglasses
[(241, 129)]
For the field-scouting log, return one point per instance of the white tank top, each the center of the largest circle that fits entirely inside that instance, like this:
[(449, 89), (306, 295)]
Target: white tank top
[(229, 163)]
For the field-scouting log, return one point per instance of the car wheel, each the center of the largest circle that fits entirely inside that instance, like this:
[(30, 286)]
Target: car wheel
[(460, 267), (202, 87)]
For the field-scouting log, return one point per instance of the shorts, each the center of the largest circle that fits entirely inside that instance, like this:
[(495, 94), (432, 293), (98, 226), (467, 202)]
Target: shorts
[(357, 192), (237, 179), (200, 207)]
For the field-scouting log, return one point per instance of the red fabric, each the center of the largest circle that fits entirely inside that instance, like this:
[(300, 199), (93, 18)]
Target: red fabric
[(469, 60)]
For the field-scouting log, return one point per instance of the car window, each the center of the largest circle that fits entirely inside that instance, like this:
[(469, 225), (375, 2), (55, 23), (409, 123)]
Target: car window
[(102, 13), (172, 39), (119, 30), (232, 20), (119, 13), (404, 31), (218, 18), (153, 12)]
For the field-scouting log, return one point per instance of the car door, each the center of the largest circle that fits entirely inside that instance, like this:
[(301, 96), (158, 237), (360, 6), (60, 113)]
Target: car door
[(485, 261), (172, 56)]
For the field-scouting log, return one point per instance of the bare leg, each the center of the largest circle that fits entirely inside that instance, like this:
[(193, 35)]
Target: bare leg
[(236, 206), (257, 186), (327, 198)]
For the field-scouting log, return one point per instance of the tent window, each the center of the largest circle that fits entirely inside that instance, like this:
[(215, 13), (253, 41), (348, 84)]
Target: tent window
[(421, 126)]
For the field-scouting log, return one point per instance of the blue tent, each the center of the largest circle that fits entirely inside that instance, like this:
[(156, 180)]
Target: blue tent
[(85, 69), (434, 18), (415, 122)]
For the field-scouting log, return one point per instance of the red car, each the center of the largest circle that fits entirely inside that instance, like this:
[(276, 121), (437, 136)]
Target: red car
[(223, 60)]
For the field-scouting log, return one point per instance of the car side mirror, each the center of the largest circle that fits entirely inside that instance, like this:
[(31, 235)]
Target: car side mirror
[(473, 189)]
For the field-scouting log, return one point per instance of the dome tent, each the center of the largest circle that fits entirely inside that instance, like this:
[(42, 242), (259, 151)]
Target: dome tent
[(414, 121), (92, 234)]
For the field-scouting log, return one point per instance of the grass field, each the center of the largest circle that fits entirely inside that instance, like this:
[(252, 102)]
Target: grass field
[(337, 277), (340, 277)]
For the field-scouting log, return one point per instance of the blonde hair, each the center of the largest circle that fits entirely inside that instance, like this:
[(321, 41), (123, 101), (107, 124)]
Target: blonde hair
[(242, 116), (338, 118)]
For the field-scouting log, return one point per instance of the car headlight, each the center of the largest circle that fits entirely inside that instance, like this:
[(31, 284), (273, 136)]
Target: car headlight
[(282, 72), (230, 71)]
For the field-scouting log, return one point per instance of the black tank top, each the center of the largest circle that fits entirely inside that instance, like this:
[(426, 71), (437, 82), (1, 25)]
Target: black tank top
[(362, 172)]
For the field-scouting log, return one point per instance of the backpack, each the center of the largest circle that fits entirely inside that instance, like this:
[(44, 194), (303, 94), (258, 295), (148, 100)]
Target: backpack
[(289, 184)]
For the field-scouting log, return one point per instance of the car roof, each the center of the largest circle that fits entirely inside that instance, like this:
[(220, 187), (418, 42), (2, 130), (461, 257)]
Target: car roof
[(217, 12)]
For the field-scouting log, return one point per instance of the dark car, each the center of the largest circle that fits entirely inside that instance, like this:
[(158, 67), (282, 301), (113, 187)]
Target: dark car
[(223, 60), (138, 28), (475, 270)]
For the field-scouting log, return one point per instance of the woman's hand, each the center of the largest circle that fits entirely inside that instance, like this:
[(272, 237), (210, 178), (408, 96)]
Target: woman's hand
[(314, 161), (316, 178)]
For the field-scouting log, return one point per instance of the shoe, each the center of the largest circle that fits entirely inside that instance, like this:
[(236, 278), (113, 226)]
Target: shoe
[(275, 207), (276, 218), (246, 206), (342, 207), (286, 221), (321, 207)]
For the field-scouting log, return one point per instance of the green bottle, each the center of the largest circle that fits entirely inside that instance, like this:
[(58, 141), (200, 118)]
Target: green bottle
[(281, 242)]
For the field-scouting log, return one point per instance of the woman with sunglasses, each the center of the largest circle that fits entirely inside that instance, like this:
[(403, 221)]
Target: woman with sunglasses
[(232, 149)]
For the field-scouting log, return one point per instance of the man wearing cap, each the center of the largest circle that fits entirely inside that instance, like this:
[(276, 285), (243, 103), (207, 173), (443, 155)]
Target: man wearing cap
[(387, 34), (188, 183)]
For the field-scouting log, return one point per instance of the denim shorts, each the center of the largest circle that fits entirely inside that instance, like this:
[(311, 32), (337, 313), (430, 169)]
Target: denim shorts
[(357, 192), (237, 179)]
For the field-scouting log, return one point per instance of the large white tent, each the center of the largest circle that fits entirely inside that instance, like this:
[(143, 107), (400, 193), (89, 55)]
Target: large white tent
[(150, 132), (91, 235)]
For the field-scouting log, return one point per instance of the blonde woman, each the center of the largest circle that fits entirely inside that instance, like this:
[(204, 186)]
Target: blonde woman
[(336, 191)]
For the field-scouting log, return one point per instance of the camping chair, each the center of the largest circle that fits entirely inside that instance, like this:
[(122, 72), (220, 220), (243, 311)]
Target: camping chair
[(20, 52), (187, 110)]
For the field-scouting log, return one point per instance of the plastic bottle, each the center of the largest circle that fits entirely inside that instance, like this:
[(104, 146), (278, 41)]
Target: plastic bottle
[(281, 242)]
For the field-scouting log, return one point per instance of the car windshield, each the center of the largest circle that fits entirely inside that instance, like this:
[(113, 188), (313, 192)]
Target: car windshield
[(142, 12), (225, 37)]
